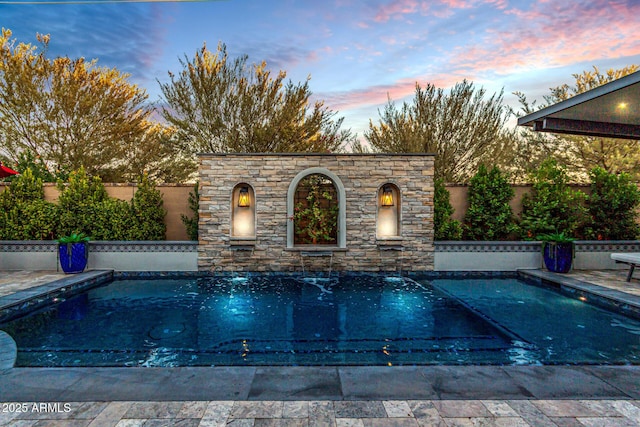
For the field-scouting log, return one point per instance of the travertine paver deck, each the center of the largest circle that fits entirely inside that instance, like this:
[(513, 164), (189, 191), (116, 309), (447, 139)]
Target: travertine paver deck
[(19, 280), (388, 413), (612, 279)]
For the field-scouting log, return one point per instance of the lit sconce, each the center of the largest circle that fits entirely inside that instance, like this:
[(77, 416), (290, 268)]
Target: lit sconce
[(243, 198), (387, 196)]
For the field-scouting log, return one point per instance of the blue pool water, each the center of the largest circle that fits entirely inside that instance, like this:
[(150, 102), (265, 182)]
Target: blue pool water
[(356, 320)]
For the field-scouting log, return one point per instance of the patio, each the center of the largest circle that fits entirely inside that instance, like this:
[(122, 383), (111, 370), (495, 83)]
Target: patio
[(388, 413)]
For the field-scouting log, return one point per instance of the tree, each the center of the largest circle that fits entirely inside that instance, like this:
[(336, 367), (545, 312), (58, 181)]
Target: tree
[(217, 104), (445, 227), (612, 207), (148, 212), (79, 202), (191, 223), (27, 160), (552, 206), (155, 156), (579, 154), (70, 113), (489, 215), (463, 128)]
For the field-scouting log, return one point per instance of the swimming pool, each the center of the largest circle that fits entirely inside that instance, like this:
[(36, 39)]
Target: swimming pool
[(291, 320)]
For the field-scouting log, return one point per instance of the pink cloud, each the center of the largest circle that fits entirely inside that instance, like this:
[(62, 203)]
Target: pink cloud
[(468, 4), (388, 40), (499, 4), (440, 9), (542, 36), (555, 35), (396, 8), (379, 95), (457, 4), (319, 54)]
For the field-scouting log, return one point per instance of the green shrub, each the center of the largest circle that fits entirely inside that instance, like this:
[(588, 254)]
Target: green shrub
[(32, 220), (83, 207), (78, 203), (113, 220), (612, 207), (24, 214), (552, 206), (191, 223), (25, 187), (446, 228), (39, 220), (489, 216), (148, 212)]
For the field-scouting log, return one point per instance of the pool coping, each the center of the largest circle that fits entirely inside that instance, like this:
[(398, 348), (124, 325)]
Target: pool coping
[(15, 304), (435, 382), (321, 383), (610, 299)]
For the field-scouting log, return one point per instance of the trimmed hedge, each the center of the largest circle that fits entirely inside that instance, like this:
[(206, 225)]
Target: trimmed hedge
[(191, 223), (83, 207), (612, 207), (446, 228), (24, 214), (489, 216), (552, 206)]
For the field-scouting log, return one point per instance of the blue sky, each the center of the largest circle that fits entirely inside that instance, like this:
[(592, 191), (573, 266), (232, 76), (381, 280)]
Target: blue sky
[(357, 53)]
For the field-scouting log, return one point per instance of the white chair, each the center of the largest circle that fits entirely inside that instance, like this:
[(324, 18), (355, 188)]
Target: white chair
[(632, 258)]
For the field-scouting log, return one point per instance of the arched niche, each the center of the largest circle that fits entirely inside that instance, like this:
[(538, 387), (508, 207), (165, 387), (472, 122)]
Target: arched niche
[(388, 220), (243, 211), (291, 194)]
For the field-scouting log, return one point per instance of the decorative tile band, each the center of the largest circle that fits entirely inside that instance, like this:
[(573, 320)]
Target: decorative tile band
[(608, 246), (101, 246), (442, 246), (27, 246), (164, 246), (464, 246), (534, 246)]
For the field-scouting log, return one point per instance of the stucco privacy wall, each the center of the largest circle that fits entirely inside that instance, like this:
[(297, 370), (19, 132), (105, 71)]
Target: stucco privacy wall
[(360, 175)]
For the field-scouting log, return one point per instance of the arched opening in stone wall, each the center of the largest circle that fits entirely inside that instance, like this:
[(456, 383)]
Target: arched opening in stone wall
[(315, 211), (328, 206)]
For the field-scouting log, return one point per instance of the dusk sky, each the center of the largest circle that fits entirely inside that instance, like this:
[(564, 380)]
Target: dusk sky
[(357, 52)]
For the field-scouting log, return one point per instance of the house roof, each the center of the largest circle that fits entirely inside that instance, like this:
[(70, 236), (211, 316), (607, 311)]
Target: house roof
[(611, 110)]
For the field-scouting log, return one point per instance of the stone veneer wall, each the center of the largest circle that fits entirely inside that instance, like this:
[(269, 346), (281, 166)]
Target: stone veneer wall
[(361, 175)]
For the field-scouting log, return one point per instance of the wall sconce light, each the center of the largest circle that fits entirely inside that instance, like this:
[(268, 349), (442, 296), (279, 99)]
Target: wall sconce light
[(387, 196), (243, 198)]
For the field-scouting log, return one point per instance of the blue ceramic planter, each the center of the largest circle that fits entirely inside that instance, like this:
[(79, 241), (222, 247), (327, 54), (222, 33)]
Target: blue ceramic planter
[(558, 256), (73, 257)]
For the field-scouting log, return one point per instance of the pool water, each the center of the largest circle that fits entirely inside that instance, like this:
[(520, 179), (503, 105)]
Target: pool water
[(354, 320)]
